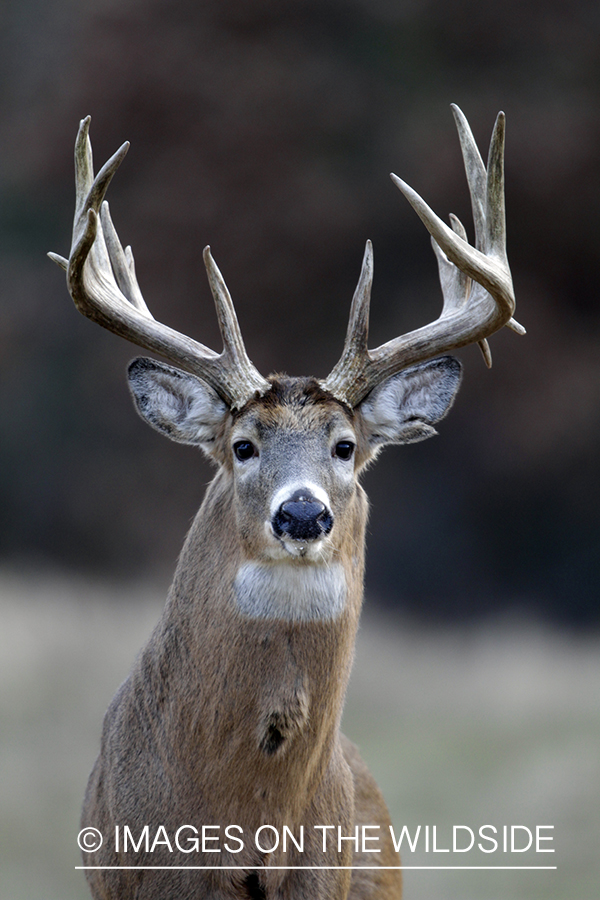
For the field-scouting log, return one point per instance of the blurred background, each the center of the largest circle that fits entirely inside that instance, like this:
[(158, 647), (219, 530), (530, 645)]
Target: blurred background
[(267, 128)]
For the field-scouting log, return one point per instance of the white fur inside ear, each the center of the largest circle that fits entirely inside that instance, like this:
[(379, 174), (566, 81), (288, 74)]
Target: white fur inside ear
[(403, 409), (180, 405)]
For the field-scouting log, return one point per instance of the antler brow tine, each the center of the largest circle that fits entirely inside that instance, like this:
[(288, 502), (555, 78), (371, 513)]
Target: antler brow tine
[(103, 284)]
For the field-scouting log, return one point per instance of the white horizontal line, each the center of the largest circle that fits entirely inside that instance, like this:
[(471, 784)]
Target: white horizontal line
[(262, 868)]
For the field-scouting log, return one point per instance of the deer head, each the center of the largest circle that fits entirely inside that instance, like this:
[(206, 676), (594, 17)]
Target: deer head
[(220, 402)]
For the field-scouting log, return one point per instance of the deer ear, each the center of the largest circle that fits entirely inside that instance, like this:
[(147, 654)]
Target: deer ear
[(404, 408), (180, 405)]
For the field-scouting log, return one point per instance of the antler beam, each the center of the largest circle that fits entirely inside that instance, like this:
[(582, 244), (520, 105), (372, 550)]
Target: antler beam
[(476, 281), (102, 281)]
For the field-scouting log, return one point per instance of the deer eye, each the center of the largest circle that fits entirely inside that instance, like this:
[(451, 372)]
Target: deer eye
[(343, 449), (244, 450)]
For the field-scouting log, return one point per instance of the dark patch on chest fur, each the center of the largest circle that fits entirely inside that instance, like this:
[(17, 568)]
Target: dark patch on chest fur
[(273, 737), (253, 886), (286, 717)]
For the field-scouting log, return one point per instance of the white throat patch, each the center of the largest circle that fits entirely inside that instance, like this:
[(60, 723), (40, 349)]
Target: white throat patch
[(281, 591)]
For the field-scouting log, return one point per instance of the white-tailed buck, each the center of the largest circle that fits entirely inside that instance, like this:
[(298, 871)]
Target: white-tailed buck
[(230, 719)]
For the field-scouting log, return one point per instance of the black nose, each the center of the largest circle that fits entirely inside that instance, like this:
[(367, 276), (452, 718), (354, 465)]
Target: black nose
[(302, 518)]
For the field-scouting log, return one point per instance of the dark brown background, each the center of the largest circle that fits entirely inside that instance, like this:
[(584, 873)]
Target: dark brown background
[(268, 129)]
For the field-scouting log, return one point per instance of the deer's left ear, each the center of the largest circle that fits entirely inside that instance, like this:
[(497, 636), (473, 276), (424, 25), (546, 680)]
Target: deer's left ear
[(404, 408)]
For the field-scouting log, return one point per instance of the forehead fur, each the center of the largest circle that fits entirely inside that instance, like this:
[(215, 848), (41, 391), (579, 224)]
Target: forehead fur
[(297, 400)]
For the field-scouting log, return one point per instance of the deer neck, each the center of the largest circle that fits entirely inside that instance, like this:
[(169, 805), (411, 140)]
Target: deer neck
[(220, 582), (258, 655)]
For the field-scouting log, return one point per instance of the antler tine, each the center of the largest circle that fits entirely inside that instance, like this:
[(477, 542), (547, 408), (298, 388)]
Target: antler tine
[(476, 281), (234, 351), (90, 191), (495, 217), (475, 172), (354, 358), (456, 286), (489, 219), (122, 262), (102, 282)]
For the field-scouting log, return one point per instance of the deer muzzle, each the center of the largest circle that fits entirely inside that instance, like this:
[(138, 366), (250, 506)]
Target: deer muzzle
[(302, 517)]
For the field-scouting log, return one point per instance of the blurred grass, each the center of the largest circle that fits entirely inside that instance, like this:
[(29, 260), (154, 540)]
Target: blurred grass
[(497, 726)]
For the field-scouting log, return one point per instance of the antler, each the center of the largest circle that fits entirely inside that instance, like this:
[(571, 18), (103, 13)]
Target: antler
[(476, 281), (102, 282)]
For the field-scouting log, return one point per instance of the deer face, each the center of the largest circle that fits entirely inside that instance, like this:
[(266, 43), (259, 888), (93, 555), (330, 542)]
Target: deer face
[(294, 454)]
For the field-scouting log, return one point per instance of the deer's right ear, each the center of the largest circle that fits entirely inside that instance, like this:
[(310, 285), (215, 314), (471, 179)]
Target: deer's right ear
[(179, 405)]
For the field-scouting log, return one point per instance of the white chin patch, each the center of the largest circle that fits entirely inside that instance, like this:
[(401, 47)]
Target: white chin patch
[(309, 550), (301, 593), (280, 548)]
